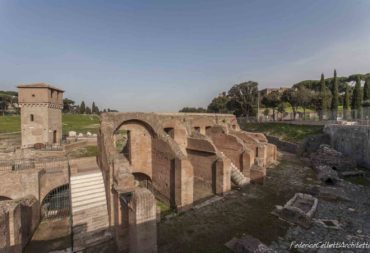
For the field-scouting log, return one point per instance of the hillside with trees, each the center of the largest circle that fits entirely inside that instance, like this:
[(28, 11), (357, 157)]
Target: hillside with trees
[(326, 97), (9, 105)]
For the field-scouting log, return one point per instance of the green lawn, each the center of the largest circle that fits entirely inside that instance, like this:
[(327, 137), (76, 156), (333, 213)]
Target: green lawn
[(288, 132), (80, 123), (87, 151), (76, 122), (9, 124)]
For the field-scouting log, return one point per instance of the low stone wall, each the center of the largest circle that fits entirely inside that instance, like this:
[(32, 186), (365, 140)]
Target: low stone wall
[(75, 145), (9, 141), (352, 141), (90, 140), (284, 145), (18, 221)]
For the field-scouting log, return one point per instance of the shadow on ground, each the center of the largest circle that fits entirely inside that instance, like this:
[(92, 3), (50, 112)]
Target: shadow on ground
[(244, 211), (51, 235)]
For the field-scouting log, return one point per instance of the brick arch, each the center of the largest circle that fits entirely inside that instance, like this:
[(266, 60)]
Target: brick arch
[(139, 122), (2, 198), (56, 202), (50, 181), (170, 170), (151, 122)]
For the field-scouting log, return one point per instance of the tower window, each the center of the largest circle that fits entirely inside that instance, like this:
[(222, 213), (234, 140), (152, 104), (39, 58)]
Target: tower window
[(33, 95), (31, 117)]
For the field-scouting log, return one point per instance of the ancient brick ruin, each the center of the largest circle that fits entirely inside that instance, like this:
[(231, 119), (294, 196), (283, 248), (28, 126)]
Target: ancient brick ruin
[(179, 158), (110, 200)]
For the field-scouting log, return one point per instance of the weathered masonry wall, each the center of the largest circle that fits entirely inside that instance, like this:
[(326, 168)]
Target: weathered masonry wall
[(38, 181), (351, 140), (18, 221), (179, 157)]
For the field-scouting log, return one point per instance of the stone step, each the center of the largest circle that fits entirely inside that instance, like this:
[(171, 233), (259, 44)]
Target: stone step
[(89, 210), (86, 187), (87, 182), (87, 206), (237, 176), (86, 176), (82, 180), (86, 213), (96, 195), (88, 201), (89, 191)]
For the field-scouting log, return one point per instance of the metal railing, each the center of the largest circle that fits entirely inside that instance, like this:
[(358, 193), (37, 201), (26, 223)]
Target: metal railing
[(49, 164), (57, 203), (359, 117)]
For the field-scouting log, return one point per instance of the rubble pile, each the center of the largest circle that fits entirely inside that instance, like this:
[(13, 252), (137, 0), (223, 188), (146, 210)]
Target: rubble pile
[(326, 174), (248, 244), (328, 156)]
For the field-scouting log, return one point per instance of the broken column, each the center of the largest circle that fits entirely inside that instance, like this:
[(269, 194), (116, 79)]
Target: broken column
[(142, 222)]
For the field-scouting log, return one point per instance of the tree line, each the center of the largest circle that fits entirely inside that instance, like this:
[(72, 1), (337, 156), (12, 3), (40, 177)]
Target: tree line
[(69, 106), (9, 105), (325, 96)]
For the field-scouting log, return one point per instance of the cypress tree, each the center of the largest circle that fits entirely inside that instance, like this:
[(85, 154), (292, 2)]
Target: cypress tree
[(335, 99), (93, 108), (346, 98), (357, 96), (324, 100), (82, 107), (367, 89)]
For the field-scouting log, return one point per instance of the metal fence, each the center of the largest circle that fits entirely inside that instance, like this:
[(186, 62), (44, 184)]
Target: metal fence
[(359, 117), (57, 203), (49, 164)]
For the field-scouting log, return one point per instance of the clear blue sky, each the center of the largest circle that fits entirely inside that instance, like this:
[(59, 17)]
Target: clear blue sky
[(163, 55)]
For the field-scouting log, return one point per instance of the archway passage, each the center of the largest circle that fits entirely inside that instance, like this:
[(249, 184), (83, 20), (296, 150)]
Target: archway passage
[(55, 136), (2, 198), (143, 180), (56, 204)]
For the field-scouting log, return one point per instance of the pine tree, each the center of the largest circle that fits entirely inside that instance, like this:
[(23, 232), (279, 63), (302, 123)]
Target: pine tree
[(346, 98), (367, 89), (334, 91), (93, 108), (82, 107)]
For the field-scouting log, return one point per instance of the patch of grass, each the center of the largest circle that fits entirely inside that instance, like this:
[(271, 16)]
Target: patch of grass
[(165, 209), (9, 124), (87, 151), (359, 180), (287, 132), (71, 122), (80, 123)]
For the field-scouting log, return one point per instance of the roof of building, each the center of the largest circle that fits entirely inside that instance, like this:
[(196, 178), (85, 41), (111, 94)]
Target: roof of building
[(39, 85)]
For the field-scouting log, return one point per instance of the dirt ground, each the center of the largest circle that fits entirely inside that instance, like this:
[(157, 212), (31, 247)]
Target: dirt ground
[(51, 235), (244, 211)]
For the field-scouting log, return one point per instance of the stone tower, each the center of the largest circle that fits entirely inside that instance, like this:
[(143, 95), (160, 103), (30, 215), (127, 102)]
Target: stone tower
[(41, 114)]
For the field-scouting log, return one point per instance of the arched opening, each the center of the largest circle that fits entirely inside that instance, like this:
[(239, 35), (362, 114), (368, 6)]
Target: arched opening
[(2, 198), (143, 180), (32, 117), (170, 132), (150, 157), (133, 141), (55, 136), (56, 204)]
